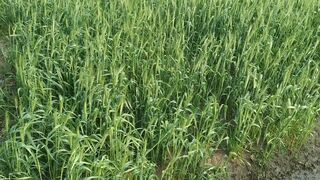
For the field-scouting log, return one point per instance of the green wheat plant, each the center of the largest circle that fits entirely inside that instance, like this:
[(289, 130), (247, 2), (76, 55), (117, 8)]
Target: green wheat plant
[(151, 89)]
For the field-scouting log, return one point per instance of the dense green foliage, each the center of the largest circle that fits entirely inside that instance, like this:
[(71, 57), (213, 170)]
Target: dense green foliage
[(124, 89)]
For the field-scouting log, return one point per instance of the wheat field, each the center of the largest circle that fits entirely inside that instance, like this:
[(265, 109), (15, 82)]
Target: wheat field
[(152, 89)]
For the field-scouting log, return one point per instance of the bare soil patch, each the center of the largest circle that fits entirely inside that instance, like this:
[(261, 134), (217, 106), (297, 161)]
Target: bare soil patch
[(301, 165)]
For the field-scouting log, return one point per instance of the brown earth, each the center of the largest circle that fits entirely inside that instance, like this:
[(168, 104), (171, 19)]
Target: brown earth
[(301, 165)]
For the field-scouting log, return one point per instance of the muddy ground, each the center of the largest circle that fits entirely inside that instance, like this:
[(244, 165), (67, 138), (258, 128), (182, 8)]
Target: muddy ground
[(302, 165)]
